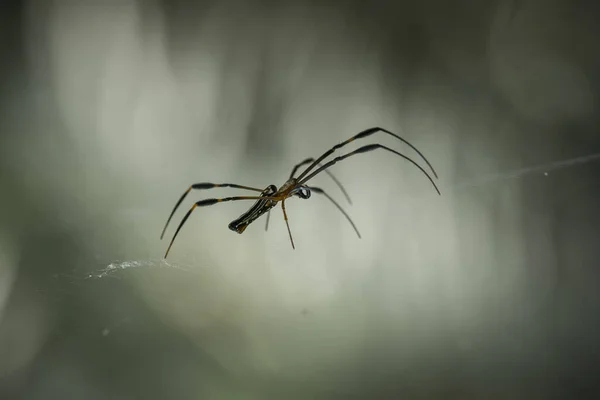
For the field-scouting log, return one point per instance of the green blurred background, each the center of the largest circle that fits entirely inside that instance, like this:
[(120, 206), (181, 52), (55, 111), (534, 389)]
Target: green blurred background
[(109, 110)]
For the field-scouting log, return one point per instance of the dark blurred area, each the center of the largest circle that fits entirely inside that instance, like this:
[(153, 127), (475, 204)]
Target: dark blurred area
[(109, 110)]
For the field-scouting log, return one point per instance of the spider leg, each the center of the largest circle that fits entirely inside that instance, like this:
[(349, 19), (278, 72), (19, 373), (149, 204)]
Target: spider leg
[(337, 182), (200, 186), (335, 203), (365, 149), (268, 217), (287, 223), (301, 163), (363, 134), (210, 202)]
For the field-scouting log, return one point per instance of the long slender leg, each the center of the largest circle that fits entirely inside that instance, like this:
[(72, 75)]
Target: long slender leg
[(300, 164), (363, 134), (337, 182), (268, 217), (335, 203), (210, 202), (287, 223), (204, 185), (365, 149)]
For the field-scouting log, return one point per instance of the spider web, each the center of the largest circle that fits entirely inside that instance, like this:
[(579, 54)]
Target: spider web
[(537, 169), (114, 268), (118, 266)]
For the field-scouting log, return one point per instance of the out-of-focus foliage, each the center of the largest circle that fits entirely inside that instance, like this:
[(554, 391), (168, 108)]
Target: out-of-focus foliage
[(109, 110)]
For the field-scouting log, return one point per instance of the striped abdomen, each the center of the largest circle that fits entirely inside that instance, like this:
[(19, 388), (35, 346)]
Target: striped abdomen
[(259, 208)]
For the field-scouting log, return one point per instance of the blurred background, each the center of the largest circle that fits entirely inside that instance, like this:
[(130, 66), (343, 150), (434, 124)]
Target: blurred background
[(110, 110)]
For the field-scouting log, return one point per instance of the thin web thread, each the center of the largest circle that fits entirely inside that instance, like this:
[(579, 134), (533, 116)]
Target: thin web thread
[(117, 266), (544, 168)]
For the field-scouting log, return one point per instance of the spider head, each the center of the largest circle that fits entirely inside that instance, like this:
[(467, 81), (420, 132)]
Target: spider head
[(303, 192), (270, 190)]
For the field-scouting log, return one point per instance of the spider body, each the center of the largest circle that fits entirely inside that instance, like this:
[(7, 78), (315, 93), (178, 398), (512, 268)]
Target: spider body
[(261, 206), (266, 203), (294, 186)]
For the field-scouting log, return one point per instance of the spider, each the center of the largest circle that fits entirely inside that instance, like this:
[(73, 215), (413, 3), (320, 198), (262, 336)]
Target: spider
[(294, 186)]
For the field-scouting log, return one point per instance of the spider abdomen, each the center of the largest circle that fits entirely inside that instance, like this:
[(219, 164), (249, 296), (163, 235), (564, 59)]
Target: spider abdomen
[(261, 206)]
